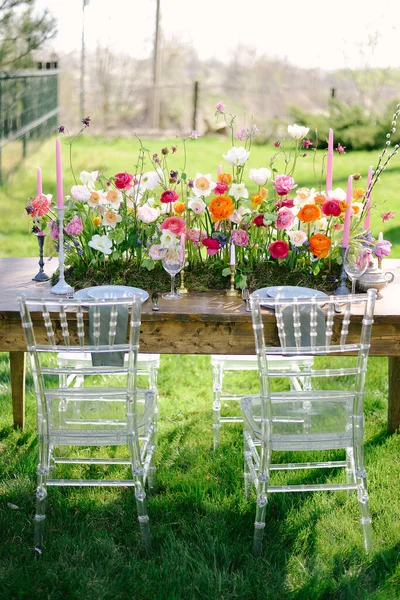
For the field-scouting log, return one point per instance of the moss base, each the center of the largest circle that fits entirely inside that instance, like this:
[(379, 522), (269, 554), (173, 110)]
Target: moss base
[(197, 279)]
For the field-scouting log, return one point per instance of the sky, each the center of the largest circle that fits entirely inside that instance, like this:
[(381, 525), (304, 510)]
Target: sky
[(325, 34)]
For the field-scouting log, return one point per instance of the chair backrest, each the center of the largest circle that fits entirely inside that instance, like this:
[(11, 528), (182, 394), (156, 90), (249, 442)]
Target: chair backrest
[(107, 329), (339, 325)]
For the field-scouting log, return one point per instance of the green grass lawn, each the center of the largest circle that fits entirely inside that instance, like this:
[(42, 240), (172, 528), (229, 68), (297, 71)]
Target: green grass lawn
[(201, 524)]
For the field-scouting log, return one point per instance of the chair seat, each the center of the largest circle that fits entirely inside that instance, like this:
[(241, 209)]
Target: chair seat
[(248, 362), (82, 359), (309, 420)]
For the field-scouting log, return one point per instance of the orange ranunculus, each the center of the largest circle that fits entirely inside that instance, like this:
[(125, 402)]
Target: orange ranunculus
[(263, 193), (320, 197), (320, 245), (309, 212), (220, 208), (96, 221), (358, 193), (256, 200), (343, 205), (179, 207), (225, 178)]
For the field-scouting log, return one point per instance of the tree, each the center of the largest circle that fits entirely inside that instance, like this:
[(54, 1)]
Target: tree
[(22, 31)]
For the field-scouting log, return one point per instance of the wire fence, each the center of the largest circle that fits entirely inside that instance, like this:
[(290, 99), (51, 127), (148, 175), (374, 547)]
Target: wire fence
[(28, 113)]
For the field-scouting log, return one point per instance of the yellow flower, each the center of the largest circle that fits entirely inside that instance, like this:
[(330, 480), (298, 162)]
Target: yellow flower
[(358, 193), (96, 221), (179, 207)]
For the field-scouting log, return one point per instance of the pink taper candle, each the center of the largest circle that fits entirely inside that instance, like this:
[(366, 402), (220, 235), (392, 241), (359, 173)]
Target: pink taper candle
[(60, 194), (232, 259), (347, 215), (367, 220), (39, 189), (329, 164), (219, 169)]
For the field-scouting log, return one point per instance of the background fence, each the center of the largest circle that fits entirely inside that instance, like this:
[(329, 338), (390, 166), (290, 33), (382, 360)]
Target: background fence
[(28, 113)]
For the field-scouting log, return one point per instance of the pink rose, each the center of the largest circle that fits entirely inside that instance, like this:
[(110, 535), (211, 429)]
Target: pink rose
[(239, 237), (74, 227), (175, 225), (54, 230), (220, 189), (284, 184), (259, 221), (195, 236), (279, 249), (382, 248), (123, 181), (285, 218), (169, 196), (331, 208), (39, 206), (212, 246)]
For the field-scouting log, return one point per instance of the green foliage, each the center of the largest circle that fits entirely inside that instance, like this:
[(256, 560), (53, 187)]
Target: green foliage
[(22, 31), (353, 126)]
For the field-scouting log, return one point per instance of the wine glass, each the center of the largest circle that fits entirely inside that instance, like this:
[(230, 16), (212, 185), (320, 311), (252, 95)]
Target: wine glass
[(173, 261), (355, 263)]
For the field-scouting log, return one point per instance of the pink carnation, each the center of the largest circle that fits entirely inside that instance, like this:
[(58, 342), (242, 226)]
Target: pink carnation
[(284, 184), (74, 227), (285, 218), (239, 237), (382, 248), (279, 249), (220, 189), (195, 236), (39, 206), (175, 225), (287, 202)]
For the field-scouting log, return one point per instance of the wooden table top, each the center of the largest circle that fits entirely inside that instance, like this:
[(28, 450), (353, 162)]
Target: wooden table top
[(199, 323)]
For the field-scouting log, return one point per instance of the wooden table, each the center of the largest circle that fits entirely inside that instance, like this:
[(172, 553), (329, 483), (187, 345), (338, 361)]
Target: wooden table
[(206, 323)]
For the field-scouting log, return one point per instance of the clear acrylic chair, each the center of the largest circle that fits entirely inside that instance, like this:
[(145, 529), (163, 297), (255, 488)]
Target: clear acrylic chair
[(329, 416), (279, 366), (111, 411)]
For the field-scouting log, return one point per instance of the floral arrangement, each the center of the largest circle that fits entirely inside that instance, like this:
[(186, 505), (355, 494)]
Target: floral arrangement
[(242, 217)]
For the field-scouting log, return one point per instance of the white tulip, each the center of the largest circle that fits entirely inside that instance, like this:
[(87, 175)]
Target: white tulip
[(297, 131), (101, 243), (237, 156), (260, 176)]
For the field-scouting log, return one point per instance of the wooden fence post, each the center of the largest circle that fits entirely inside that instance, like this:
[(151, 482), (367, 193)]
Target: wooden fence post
[(195, 105)]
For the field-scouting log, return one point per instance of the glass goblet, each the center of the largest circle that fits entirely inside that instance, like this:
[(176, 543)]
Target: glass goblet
[(173, 262), (355, 263)]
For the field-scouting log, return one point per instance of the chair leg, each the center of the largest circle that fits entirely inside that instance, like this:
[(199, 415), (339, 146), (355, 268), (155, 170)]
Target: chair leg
[(218, 375), (362, 493), (350, 468), (41, 490), (153, 373), (143, 517), (259, 524)]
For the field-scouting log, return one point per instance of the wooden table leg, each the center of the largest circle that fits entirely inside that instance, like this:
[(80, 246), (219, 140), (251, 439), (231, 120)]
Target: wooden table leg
[(17, 372), (394, 394)]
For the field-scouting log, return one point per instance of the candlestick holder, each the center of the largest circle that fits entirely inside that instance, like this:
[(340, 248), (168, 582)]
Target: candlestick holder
[(232, 291), (41, 275), (62, 288), (342, 289), (182, 289)]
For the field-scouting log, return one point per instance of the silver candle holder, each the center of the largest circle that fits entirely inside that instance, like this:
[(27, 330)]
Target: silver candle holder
[(62, 288)]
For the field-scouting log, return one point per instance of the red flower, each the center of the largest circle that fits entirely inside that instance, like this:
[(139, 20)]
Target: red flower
[(220, 189), (279, 249), (331, 208), (123, 181), (341, 149), (169, 196), (259, 221), (288, 202), (212, 246)]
